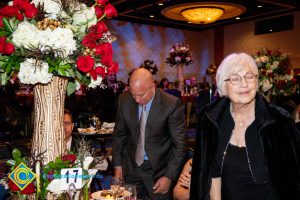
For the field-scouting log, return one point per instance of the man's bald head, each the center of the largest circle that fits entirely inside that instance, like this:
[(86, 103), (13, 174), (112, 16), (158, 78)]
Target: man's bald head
[(141, 76), (141, 86)]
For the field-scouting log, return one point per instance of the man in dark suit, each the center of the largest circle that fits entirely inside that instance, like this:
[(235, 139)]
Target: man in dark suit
[(164, 137)]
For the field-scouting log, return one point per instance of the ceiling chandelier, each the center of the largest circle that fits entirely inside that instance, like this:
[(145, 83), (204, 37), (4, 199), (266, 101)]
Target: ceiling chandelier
[(203, 12), (202, 15)]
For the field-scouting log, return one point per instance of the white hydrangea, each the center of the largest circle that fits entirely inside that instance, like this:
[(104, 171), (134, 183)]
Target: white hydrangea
[(60, 39), (33, 71), (26, 35), (266, 85), (52, 7), (95, 83)]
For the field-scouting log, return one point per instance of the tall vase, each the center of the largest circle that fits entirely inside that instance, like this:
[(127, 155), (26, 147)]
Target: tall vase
[(180, 77), (48, 135)]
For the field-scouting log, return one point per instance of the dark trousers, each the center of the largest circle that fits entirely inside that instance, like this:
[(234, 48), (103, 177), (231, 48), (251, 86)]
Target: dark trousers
[(142, 178)]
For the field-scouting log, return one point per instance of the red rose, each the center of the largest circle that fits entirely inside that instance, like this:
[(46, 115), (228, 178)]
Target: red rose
[(113, 69), (101, 2), (2, 40), (105, 48), (110, 11), (96, 31), (100, 71), (1, 22), (20, 16), (12, 186), (85, 63), (20, 3), (30, 189), (101, 27), (98, 11), (9, 11), (30, 10), (8, 49), (71, 158), (89, 41)]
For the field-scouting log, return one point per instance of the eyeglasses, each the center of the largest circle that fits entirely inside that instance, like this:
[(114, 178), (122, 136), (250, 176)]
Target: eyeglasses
[(236, 79)]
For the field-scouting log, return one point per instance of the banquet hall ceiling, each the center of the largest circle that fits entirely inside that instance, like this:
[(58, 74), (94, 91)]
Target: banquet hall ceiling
[(139, 11)]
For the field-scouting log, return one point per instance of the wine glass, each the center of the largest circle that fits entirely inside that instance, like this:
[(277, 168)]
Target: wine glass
[(130, 192), (115, 185)]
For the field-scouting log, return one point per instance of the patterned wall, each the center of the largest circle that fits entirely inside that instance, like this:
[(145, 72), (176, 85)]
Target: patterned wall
[(136, 43)]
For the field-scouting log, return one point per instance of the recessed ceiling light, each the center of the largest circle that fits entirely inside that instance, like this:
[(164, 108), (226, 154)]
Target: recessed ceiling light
[(259, 6), (237, 18), (160, 4), (189, 22), (151, 16)]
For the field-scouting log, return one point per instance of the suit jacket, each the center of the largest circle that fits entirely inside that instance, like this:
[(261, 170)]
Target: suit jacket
[(280, 143), (165, 135)]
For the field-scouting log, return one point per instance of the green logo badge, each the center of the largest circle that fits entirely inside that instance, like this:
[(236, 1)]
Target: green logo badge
[(22, 176)]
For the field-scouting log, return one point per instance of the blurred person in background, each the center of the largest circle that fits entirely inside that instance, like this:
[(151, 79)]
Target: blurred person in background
[(164, 84)]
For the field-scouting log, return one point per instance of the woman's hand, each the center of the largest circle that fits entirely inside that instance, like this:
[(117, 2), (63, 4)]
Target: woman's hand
[(185, 179)]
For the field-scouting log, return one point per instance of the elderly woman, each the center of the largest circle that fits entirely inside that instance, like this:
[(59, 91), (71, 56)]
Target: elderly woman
[(246, 148)]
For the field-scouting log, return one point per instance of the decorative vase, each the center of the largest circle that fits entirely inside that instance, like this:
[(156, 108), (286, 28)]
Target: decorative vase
[(180, 76), (48, 135)]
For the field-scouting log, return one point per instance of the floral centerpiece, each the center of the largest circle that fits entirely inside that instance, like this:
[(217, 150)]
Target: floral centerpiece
[(180, 53), (276, 76), (147, 64), (56, 46), (48, 176), (40, 39)]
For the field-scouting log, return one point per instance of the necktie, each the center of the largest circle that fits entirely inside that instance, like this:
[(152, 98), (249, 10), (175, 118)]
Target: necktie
[(140, 149)]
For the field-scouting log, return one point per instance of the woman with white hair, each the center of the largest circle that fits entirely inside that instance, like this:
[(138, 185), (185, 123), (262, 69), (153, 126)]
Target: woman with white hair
[(245, 147)]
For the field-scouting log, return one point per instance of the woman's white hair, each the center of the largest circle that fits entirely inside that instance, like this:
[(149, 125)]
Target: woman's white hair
[(232, 64)]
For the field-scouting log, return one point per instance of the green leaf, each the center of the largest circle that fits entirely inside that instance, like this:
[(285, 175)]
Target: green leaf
[(11, 162), (71, 73), (7, 25), (16, 154), (58, 160), (66, 66), (71, 88), (51, 69), (52, 165), (3, 78), (4, 33), (61, 72)]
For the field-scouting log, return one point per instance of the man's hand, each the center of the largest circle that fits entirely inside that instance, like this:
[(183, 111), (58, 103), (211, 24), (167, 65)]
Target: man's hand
[(118, 172), (162, 185)]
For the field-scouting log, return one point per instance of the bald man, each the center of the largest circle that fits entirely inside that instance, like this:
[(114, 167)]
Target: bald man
[(165, 138)]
